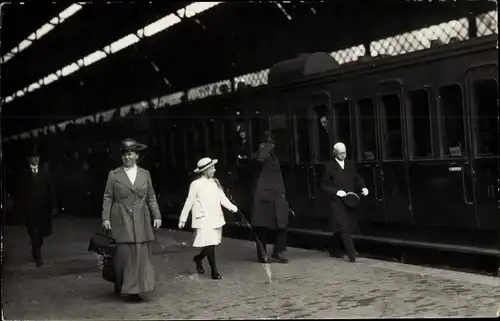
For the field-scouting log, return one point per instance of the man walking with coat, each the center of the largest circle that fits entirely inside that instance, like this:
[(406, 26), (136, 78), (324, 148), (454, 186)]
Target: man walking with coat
[(339, 178), (270, 207), (37, 203)]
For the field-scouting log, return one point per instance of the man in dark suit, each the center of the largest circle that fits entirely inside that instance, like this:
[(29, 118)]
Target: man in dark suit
[(339, 178), (270, 207), (37, 203)]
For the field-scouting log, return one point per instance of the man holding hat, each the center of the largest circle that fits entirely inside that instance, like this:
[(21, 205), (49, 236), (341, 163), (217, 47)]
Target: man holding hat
[(37, 203), (340, 181), (204, 201), (129, 207)]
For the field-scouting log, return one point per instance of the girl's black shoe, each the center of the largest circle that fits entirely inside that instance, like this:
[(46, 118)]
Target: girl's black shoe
[(199, 266), (135, 298)]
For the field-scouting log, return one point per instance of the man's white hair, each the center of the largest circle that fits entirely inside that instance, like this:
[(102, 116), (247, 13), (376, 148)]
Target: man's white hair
[(339, 145)]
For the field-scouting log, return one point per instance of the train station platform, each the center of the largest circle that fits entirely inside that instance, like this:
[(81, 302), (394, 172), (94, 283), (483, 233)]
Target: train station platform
[(313, 285)]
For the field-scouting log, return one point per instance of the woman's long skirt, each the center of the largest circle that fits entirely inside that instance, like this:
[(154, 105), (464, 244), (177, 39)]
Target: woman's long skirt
[(207, 236), (133, 268)]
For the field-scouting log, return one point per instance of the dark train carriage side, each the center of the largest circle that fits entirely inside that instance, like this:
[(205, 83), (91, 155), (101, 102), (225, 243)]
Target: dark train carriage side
[(420, 127), (452, 145), (422, 130)]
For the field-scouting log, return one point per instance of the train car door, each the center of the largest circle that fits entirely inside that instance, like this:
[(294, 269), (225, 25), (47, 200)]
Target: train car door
[(393, 166), (482, 96), (368, 151), (442, 185), (392, 151), (312, 136)]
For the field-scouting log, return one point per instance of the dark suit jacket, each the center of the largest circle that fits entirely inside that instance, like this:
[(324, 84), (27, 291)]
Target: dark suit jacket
[(334, 179), (36, 198), (130, 208), (270, 208)]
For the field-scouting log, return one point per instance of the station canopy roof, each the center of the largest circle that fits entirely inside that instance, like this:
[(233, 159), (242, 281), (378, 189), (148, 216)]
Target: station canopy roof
[(193, 44)]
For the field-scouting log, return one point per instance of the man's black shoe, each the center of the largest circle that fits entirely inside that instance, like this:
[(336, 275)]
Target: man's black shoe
[(280, 258)]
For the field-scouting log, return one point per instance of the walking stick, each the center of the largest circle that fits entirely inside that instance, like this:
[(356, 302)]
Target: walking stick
[(263, 252)]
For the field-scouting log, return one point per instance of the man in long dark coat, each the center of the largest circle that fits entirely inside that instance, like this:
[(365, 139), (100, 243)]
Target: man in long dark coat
[(339, 178), (37, 203), (270, 207)]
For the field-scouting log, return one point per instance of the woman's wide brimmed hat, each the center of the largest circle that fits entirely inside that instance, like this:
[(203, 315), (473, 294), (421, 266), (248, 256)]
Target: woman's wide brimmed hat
[(131, 145), (204, 164), (351, 200)]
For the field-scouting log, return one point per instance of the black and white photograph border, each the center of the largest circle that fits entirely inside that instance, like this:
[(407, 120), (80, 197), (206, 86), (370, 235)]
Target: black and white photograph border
[(355, 162)]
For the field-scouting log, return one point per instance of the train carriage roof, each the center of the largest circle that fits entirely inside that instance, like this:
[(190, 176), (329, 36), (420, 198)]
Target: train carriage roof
[(223, 42)]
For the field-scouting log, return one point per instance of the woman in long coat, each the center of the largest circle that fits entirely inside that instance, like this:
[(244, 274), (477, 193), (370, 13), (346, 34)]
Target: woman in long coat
[(204, 200), (270, 207), (128, 208)]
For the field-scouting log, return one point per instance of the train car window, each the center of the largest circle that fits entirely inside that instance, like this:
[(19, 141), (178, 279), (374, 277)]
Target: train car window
[(258, 126), (242, 140), (277, 124), (166, 149), (214, 145), (342, 121), (190, 147), (243, 144), (391, 127), (366, 129), (322, 129), (230, 141), (420, 124), (302, 137), (177, 146), (485, 110), (452, 121), (200, 140)]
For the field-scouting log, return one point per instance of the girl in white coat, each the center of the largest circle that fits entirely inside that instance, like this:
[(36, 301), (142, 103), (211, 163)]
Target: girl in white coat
[(204, 202)]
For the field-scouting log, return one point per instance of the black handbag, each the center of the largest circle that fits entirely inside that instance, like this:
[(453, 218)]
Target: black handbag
[(103, 244)]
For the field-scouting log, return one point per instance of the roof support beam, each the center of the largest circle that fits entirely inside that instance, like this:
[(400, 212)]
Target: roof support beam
[(43, 30), (160, 25), (195, 20)]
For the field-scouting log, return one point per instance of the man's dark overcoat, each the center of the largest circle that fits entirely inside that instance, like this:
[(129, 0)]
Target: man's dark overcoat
[(334, 179), (36, 198), (270, 207)]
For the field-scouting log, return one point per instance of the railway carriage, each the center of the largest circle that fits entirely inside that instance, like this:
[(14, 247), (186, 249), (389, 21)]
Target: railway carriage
[(422, 129)]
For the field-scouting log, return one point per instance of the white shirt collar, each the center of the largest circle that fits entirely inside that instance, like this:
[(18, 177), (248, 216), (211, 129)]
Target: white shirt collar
[(341, 162), (34, 167)]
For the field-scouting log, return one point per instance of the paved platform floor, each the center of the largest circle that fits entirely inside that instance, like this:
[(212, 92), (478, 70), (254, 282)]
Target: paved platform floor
[(312, 285)]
